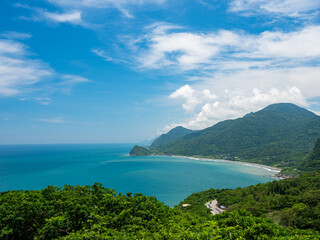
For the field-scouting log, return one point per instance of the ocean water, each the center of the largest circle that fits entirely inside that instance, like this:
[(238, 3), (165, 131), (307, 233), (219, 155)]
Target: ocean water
[(170, 179)]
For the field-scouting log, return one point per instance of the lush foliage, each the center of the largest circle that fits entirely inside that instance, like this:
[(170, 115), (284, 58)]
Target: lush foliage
[(139, 151), (279, 135), (95, 212), (293, 202), (312, 162)]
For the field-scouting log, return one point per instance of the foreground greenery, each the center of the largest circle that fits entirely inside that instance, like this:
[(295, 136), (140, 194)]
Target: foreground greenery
[(95, 212), (293, 202)]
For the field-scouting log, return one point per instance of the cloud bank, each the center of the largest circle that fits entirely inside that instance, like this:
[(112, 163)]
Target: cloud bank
[(233, 72)]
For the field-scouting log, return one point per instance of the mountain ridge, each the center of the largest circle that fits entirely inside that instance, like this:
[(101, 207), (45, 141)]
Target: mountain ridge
[(278, 135), (170, 136)]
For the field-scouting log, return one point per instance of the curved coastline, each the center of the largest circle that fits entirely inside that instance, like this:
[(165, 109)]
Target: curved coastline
[(268, 168)]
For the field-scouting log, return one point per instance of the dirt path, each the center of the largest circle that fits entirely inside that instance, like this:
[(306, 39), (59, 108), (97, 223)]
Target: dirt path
[(213, 206)]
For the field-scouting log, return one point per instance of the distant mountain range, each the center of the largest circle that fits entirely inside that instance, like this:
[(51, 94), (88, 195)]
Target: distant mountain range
[(279, 135)]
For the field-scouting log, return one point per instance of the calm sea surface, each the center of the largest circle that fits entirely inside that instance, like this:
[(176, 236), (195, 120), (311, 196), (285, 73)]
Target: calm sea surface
[(170, 179)]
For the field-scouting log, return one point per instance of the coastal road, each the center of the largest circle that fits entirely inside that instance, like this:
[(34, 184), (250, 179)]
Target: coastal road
[(213, 206)]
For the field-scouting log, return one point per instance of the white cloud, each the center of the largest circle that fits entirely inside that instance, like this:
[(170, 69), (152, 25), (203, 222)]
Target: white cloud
[(15, 35), (72, 79), (169, 46), (43, 100), (121, 5), (291, 8), (73, 17), (192, 97), (233, 104), (11, 47), (68, 82), (242, 72), (17, 72), (292, 45), (102, 54), (183, 49), (56, 120), (102, 3), (20, 74)]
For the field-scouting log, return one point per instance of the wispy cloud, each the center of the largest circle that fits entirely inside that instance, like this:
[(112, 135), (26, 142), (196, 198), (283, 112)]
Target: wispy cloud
[(20, 74), (73, 17), (55, 120), (103, 54), (72, 79), (43, 100), (103, 3), (188, 50), (67, 82), (290, 8), (15, 35), (17, 71), (122, 5), (106, 57)]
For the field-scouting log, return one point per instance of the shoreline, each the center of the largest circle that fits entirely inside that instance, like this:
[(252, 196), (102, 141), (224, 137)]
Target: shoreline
[(274, 170)]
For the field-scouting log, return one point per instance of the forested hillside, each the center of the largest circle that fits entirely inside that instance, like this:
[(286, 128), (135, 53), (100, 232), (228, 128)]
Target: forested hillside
[(293, 202), (312, 162), (172, 135), (278, 135)]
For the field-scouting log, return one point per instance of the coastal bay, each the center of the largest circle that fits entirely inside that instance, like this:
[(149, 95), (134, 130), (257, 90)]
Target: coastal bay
[(169, 178)]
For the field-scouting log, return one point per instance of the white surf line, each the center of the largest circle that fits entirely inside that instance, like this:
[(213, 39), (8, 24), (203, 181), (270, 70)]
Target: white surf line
[(268, 168)]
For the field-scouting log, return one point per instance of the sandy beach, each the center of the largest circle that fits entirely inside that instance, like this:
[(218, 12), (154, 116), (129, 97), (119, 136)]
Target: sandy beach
[(274, 170)]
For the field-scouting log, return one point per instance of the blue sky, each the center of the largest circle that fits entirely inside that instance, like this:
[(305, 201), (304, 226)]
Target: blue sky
[(103, 71)]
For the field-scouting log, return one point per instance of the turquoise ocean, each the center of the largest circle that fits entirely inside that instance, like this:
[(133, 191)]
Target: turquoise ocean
[(170, 179)]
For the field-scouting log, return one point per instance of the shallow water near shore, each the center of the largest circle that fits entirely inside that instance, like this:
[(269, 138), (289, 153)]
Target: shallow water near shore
[(170, 179)]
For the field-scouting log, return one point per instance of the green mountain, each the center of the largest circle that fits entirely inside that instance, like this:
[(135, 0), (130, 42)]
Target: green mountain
[(139, 151), (280, 135), (172, 135)]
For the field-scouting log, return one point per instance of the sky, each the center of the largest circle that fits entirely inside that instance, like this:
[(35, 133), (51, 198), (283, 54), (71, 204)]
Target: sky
[(125, 71)]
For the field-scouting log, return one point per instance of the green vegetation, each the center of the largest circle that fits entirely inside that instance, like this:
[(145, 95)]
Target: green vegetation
[(139, 151), (172, 135), (278, 135), (312, 162), (293, 202), (95, 212)]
